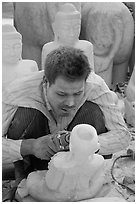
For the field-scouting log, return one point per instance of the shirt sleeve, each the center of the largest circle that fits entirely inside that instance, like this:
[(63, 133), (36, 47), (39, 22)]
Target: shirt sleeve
[(118, 136), (113, 141), (10, 150)]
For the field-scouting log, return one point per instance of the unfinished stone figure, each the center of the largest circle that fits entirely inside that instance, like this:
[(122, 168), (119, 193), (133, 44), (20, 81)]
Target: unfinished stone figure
[(74, 175), (66, 27), (109, 26), (13, 66)]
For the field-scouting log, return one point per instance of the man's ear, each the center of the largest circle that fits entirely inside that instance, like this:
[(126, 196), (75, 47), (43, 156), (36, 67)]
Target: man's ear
[(48, 85), (45, 82), (44, 79), (53, 27)]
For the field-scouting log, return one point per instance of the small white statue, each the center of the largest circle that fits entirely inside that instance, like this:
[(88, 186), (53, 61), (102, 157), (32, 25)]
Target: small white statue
[(13, 66), (66, 27), (72, 176)]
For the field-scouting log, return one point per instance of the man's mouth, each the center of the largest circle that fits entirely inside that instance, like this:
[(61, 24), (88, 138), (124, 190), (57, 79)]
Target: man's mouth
[(67, 110)]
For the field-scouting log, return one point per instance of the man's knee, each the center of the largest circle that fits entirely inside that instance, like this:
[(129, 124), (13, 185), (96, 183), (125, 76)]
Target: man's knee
[(90, 113), (20, 122)]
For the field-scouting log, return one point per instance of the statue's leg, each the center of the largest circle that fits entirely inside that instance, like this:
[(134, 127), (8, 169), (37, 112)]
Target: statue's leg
[(107, 75), (119, 73), (32, 52), (97, 184), (132, 59)]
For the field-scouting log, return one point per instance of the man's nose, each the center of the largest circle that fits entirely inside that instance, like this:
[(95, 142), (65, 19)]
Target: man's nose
[(71, 102)]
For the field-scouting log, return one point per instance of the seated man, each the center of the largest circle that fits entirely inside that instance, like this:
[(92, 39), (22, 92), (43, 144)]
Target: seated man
[(57, 99)]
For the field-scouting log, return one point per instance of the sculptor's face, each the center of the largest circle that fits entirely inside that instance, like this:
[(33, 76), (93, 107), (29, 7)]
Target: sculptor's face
[(11, 50), (64, 96), (69, 30)]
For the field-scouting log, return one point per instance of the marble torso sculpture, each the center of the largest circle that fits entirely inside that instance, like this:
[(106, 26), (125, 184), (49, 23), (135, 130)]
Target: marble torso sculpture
[(13, 66), (109, 26), (74, 175), (66, 27)]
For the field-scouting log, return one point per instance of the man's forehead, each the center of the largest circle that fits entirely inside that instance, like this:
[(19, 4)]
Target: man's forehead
[(61, 84)]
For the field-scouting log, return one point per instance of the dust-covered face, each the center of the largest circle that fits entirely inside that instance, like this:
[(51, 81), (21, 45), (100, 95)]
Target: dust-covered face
[(68, 30), (64, 96), (11, 50)]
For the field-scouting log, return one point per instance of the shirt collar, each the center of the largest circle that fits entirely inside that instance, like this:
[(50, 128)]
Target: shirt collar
[(45, 96)]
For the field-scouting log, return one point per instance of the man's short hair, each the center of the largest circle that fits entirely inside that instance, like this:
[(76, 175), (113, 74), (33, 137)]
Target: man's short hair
[(68, 62)]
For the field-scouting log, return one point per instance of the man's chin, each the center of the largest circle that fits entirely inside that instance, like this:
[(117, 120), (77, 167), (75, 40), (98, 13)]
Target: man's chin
[(64, 113)]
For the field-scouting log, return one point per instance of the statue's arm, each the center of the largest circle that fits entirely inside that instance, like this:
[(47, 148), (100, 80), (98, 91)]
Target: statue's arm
[(43, 56), (117, 27)]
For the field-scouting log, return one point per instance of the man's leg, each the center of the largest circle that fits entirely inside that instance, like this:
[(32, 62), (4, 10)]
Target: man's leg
[(90, 113), (28, 123)]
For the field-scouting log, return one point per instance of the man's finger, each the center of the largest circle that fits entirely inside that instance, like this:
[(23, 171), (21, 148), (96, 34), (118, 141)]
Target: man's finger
[(50, 151), (47, 156), (56, 143), (53, 145)]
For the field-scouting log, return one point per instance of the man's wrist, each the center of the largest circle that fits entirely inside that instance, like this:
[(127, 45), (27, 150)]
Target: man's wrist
[(27, 147)]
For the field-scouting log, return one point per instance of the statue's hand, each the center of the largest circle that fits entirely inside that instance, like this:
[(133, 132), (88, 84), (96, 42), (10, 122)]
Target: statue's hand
[(21, 191), (117, 24), (102, 63)]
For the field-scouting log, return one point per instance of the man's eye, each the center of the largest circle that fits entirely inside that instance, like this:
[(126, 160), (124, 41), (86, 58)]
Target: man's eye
[(60, 94), (77, 94)]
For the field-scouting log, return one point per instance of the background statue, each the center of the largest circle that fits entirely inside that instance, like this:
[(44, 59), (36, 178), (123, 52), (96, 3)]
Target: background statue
[(34, 21), (72, 176), (111, 30), (66, 27), (131, 7), (109, 26), (13, 66)]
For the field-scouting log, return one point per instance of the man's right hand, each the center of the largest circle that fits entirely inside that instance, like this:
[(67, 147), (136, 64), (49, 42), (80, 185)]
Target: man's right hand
[(44, 147)]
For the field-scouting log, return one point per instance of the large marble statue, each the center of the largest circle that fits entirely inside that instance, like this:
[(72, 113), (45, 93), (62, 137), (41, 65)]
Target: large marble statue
[(110, 28), (66, 27), (13, 67), (72, 176)]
